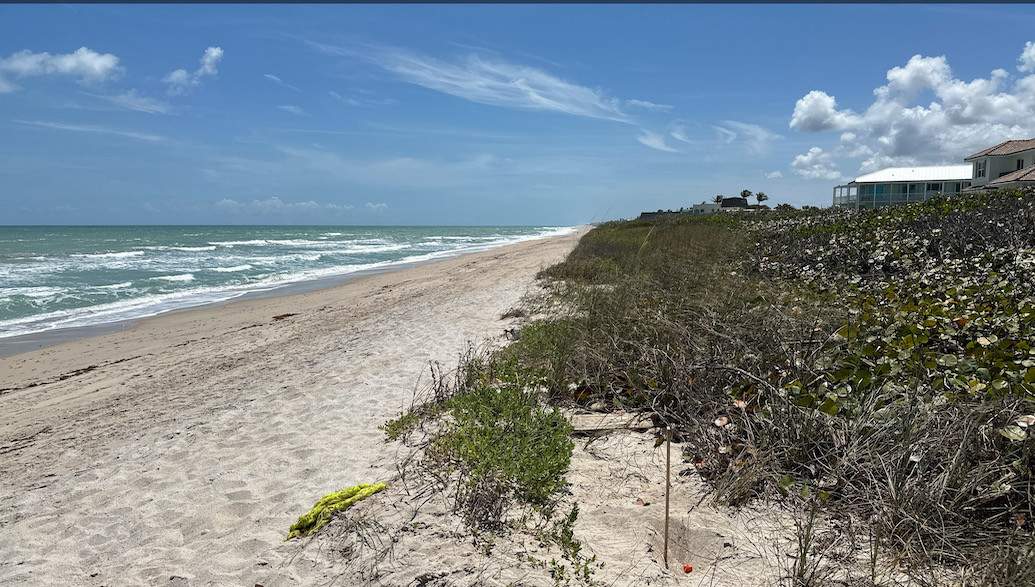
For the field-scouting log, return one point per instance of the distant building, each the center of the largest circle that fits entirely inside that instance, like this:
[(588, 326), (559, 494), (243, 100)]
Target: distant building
[(733, 202), (726, 204), (704, 208), (1008, 164)]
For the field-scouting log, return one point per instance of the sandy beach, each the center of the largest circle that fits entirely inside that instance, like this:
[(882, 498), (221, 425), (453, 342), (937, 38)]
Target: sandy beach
[(180, 450)]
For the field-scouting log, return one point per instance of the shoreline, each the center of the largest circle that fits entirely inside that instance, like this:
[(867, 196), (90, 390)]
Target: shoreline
[(14, 345), (182, 448)]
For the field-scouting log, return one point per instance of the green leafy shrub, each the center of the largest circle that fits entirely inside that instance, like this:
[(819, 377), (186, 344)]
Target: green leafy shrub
[(505, 446)]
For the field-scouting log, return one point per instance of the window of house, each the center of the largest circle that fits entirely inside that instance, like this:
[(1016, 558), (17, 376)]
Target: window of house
[(952, 187), (980, 168), (934, 187), (1020, 164)]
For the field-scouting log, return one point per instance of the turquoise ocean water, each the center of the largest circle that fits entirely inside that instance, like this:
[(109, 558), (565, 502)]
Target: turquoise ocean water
[(63, 277)]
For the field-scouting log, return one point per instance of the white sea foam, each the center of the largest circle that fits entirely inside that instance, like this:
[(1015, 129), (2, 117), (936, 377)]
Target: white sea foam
[(112, 255), (32, 292), (373, 248), (180, 277), (183, 249), (122, 285), (262, 242), (157, 303)]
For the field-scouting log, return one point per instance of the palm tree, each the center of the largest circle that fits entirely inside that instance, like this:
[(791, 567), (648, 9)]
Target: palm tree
[(717, 199), (761, 197), (746, 194)]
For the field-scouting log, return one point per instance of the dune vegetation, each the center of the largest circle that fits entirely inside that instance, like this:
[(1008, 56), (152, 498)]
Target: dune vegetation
[(872, 371)]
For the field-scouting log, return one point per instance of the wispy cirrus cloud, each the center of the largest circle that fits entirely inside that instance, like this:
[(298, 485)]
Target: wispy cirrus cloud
[(140, 136), (361, 101), (280, 82), (85, 64), (679, 132), (181, 81), (755, 138), (292, 109), (490, 81), (133, 100), (655, 141), (648, 105)]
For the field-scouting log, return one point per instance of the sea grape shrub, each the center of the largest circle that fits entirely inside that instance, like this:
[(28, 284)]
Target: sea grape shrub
[(940, 295)]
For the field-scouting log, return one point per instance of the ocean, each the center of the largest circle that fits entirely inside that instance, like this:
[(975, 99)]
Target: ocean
[(63, 277)]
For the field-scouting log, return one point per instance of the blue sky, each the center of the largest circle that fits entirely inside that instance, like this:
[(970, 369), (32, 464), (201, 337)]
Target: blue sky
[(497, 114)]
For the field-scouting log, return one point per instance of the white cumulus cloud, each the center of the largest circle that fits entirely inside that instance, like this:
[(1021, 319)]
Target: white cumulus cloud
[(85, 64), (817, 111), (924, 114), (1026, 62), (181, 81), (816, 164)]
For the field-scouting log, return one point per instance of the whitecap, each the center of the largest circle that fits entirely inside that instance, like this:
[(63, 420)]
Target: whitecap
[(113, 255), (181, 277)]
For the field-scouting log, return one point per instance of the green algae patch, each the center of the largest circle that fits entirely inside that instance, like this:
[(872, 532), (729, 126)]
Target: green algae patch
[(337, 501)]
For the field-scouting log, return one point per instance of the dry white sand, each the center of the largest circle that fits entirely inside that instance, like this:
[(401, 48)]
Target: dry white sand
[(407, 537), (181, 450)]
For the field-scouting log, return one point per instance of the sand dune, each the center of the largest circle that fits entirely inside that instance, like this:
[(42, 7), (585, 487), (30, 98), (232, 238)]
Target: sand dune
[(180, 450)]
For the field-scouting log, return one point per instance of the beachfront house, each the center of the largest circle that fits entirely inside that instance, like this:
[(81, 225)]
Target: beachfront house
[(900, 185), (1008, 164)]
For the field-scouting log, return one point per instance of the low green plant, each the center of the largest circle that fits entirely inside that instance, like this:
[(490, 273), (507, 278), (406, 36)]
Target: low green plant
[(503, 445)]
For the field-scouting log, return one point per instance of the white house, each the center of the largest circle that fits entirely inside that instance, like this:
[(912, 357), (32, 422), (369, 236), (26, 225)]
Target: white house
[(1008, 164), (900, 185), (705, 208)]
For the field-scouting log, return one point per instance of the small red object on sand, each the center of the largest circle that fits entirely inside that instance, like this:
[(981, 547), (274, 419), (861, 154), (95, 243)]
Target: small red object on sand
[(688, 568)]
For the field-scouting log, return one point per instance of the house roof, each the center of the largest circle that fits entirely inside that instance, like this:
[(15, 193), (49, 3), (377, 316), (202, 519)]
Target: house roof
[(930, 173), (1005, 148), (1025, 175)]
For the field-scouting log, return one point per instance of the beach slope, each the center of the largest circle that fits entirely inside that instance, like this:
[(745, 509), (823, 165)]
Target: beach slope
[(182, 449)]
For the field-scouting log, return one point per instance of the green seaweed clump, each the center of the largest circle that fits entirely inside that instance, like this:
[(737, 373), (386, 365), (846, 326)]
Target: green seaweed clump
[(324, 509)]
